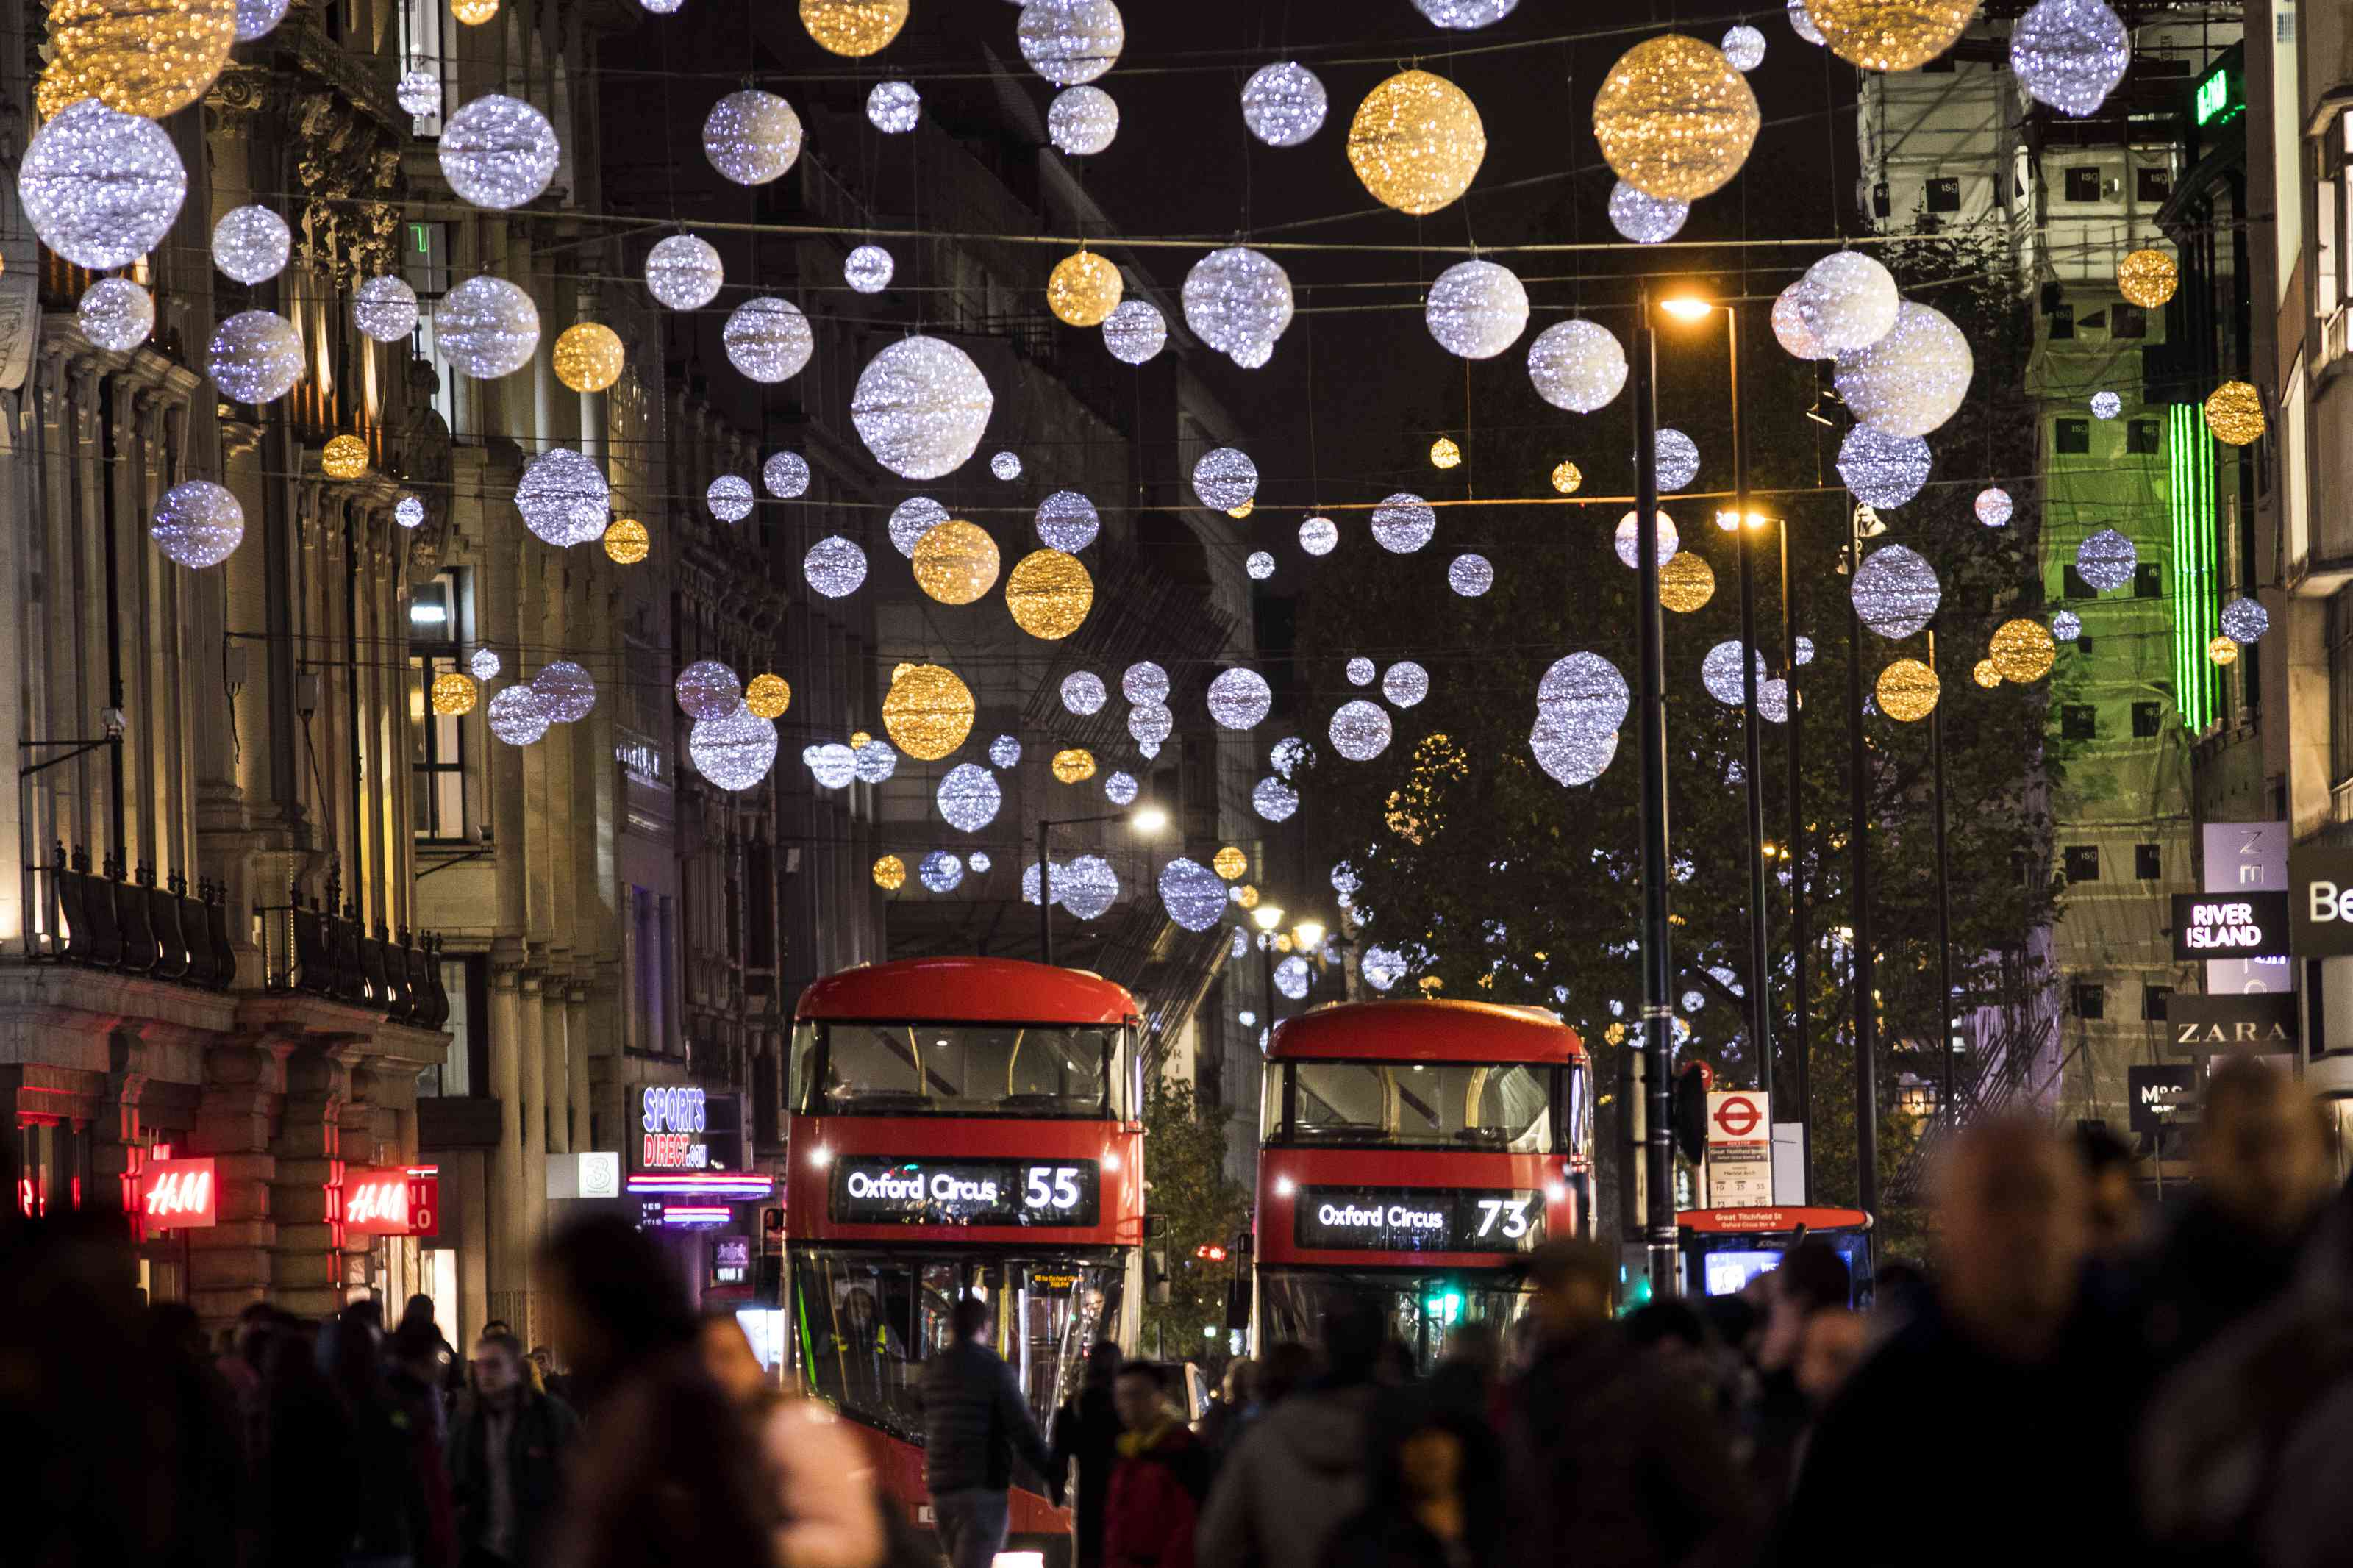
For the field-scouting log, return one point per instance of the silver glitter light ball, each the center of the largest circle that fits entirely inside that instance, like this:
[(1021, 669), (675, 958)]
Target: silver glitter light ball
[(419, 93), (518, 715), (1790, 327), (1283, 104), (1471, 575), (251, 244), (484, 663), (1584, 690), (116, 314), (1993, 507), (383, 308), (767, 339), (256, 356), (1884, 470), (1005, 751), (1848, 301), (1405, 683), (833, 764), (2106, 559), (2069, 54), (1121, 789), (1259, 565), (1359, 671), (1644, 218), (1286, 755), (1134, 331), (708, 689), (2106, 406), (256, 18), (1224, 478), (1082, 121), (197, 523), (1577, 366), (1675, 458), (2066, 625), (569, 691), (1895, 592), (1239, 302), (487, 327), (1149, 724), (1292, 977), (868, 269), (1067, 521), (1239, 697), (978, 861), (1083, 693), (1913, 378), (940, 872), (911, 519), (1569, 753), (1382, 967), (100, 187), (2245, 621), (834, 566), (564, 499), (786, 475), (734, 751), (1006, 465), (921, 408), (1626, 542), (1071, 41), (969, 797), (684, 272), (875, 762), (1274, 800), (1743, 48), (1720, 673), (1403, 523), (498, 151), (1462, 16), (1802, 23), (894, 107), (408, 511), (1193, 895), (1476, 310), (752, 137), (730, 498), (1360, 729), (1145, 682), (1319, 535)]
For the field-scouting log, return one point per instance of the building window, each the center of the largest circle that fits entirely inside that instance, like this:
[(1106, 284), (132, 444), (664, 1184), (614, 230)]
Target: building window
[(2153, 999), (1883, 204), (2149, 581), (2127, 322), (2144, 718), (2089, 1001), (2084, 183), (455, 1075), (2148, 863), (2073, 586), (2152, 185), (2144, 438), (2079, 721), (437, 615), (648, 958), (2082, 862), (2063, 321), (2072, 438), (1945, 194)]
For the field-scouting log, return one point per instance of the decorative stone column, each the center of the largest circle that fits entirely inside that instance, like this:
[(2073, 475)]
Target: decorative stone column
[(557, 1029), (509, 1269), (307, 1262), (230, 1262), (577, 1037)]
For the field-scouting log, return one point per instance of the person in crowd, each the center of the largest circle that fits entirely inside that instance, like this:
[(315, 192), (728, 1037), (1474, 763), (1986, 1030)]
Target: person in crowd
[(414, 1371), (1299, 1469), (2263, 1174), (1835, 1343), (662, 1472), (1470, 1374), (1612, 1459), (506, 1452), (976, 1423), (2001, 1358), (1150, 1517), (1287, 1367), (1675, 1336), (1898, 1289), (1812, 1283), (2119, 1220), (827, 1514), (1221, 1425), (1434, 1481), (449, 1368), (400, 1513), (1086, 1435)]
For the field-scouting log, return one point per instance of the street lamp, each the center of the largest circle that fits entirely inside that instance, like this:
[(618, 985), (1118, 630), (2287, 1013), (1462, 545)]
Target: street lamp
[(1267, 917), (1146, 820), (1308, 934)]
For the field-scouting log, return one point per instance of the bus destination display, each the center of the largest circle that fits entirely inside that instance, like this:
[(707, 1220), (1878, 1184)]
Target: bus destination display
[(880, 1190), (1419, 1219)]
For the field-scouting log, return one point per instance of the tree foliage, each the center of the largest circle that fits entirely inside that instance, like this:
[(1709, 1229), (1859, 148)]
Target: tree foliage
[(1199, 1205)]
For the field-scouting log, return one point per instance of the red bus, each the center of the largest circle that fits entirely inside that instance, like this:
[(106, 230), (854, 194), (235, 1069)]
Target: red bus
[(960, 1125), (1413, 1152)]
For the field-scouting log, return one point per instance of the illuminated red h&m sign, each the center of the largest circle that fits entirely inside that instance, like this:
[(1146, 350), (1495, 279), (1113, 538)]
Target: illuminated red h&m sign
[(176, 1195), (392, 1201)]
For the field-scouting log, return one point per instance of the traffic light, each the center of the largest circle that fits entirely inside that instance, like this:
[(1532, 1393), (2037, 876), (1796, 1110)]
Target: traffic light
[(1210, 1252), (1443, 1305), (1689, 1113)]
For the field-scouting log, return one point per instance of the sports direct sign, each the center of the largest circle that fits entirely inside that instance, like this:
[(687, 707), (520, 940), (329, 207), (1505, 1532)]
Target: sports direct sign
[(391, 1202), (674, 1119), (1739, 1148)]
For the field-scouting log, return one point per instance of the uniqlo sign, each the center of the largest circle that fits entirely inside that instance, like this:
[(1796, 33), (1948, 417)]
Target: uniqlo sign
[(391, 1202), (176, 1195)]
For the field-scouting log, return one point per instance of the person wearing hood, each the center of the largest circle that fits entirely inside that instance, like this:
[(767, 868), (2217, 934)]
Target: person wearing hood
[(1155, 1490), (1436, 1484), (1299, 1469), (1086, 1439)]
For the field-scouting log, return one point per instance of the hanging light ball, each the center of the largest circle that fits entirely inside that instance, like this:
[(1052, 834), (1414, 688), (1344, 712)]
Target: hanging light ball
[(1476, 310), (1192, 894), (1239, 697), (1985, 674), (2022, 650), (2245, 621), (928, 711), (588, 356), (2223, 650), (1584, 691), (768, 339), (1049, 593), (940, 872), (752, 137), (1675, 119), (1790, 327), (1417, 142), (1083, 291), (254, 356), (956, 563), (1628, 541), (453, 694), (1566, 477), (383, 308), (498, 151), (1803, 25), (768, 696), (2234, 413), (1895, 592), (564, 498), (921, 408), (1569, 754), (344, 458), (2147, 278), (729, 497), (408, 511), (1993, 507), (1675, 459), (2106, 559), (1360, 672), (684, 272), (484, 663), (1578, 364), (1067, 521), (1071, 41), (1074, 764), (1884, 470), (969, 797), (567, 689), (1645, 219), (419, 93), (1274, 800), (2106, 406), (833, 764), (100, 187), (1404, 683), (487, 327), (853, 28), (2069, 54), (1744, 46), (1471, 575), (257, 19), (1134, 331), (894, 107), (890, 873), (1912, 379), (473, 13), (1238, 301), (197, 523), (834, 566), (1445, 453), (1006, 465), (1360, 729), (115, 314), (868, 269), (914, 517), (1082, 121), (1224, 476), (519, 715), (875, 761), (734, 751), (1319, 535), (1890, 35), (626, 541), (1148, 724), (1403, 523), (146, 57), (1229, 863), (1720, 673), (1462, 16), (251, 244), (1259, 565), (1847, 301), (1687, 581), (1907, 690), (1083, 693), (1283, 104), (2066, 625), (1144, 681), (786, 475)]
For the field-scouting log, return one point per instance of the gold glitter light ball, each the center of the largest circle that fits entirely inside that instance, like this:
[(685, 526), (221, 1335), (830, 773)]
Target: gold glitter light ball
[(1566, 478), (1246, 896), (860, 739), (590, 356), (955, 562), (1687, 581), (344, 458), (1239, 512), (928, 711), (453, 694), (1049, 593), (2148, 278), (1084, 289), (2223, 650), (146, 57), (626, 542), (1417, 142), (1074, 765), (1986, 675), (767, 696), (1674, 120), (1445, 453), (1907, 690), (1229, 863), (1890, 35), (2022, 651), (2235, 413), (853, 28), (890, 872), (473, 13)]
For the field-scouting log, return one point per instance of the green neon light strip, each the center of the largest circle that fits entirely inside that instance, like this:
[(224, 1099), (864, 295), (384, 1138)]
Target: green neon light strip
[(2190, 508)]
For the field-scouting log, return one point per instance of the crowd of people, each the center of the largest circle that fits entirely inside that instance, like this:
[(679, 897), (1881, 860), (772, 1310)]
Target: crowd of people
[(2066, 1373)]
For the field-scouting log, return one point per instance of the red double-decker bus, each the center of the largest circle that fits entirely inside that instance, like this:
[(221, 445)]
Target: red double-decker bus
[(961, 1126), (1413, 1152)]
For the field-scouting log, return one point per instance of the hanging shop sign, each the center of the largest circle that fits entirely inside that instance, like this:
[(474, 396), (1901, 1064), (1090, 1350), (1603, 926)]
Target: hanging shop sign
[(2228, 925), (391, 1201), (2235, 1021), (177, 1194), (2162, 1098), (2246, 858), (731, 1260), (2320, 901), (1739, 1148), (674, 1117)]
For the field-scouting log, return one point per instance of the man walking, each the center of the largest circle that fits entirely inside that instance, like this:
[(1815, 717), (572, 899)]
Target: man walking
[(974, 1422), (1163, 1472), (506, 1449)]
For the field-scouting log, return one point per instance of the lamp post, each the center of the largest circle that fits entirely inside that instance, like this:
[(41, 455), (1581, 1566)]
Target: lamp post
[(1147, 820), (1658, 968), (1866, 1010), (1944, 902), (1266, 917), (1800, 998)]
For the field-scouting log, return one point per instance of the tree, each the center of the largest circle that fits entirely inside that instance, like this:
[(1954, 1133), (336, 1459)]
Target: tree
[(1200, 1205)]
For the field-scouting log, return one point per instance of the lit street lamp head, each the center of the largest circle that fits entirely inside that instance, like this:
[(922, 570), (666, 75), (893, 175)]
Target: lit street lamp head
[(1308, 934), (1267, 917), (1686, 308), (1149, 820)]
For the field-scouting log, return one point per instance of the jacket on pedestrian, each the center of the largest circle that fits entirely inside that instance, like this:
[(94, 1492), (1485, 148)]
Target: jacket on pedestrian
[(1086, 1435), (1614, 1460), (2209, 1272), (976, 1421), (1297, 1472), (542, 1429), (1156, 1498)]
